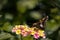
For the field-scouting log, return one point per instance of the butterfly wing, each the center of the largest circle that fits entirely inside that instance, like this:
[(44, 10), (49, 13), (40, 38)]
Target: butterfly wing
[(41, 23)]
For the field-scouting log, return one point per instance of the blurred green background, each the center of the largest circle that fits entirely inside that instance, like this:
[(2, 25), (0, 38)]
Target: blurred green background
[(16, 12)]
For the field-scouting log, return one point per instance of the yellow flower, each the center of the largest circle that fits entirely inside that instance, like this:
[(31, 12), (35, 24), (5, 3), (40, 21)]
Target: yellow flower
[(33, 32), (17, 26), (26, 29), (26, 26), (18, 31), (32, 28), (41, 33)]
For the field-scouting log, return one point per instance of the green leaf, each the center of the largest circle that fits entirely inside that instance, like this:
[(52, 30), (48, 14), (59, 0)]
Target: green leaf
[(20, 7), (35, 15), (5, 35), (7, 26), (54, 10), (27, 38), (52, 25)]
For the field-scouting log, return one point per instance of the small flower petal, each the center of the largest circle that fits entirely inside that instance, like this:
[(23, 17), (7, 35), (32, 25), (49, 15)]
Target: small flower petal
[(24, 33), (36, 35), (18, 31)]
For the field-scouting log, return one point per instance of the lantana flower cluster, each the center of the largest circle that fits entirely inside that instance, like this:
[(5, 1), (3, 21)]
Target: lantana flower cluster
[(24, 30)]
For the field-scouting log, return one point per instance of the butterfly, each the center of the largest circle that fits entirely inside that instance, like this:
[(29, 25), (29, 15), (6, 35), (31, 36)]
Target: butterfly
[(41, 23)]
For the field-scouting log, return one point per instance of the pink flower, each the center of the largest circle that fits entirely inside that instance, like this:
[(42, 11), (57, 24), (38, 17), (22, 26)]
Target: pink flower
[(36, 35), (14, 30), (24, 33)]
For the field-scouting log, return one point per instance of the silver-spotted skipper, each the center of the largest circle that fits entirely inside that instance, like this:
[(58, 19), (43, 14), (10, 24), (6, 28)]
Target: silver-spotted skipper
[(41, 23)]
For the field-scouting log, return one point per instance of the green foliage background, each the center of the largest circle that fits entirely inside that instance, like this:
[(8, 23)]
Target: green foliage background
[(16, 12)]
